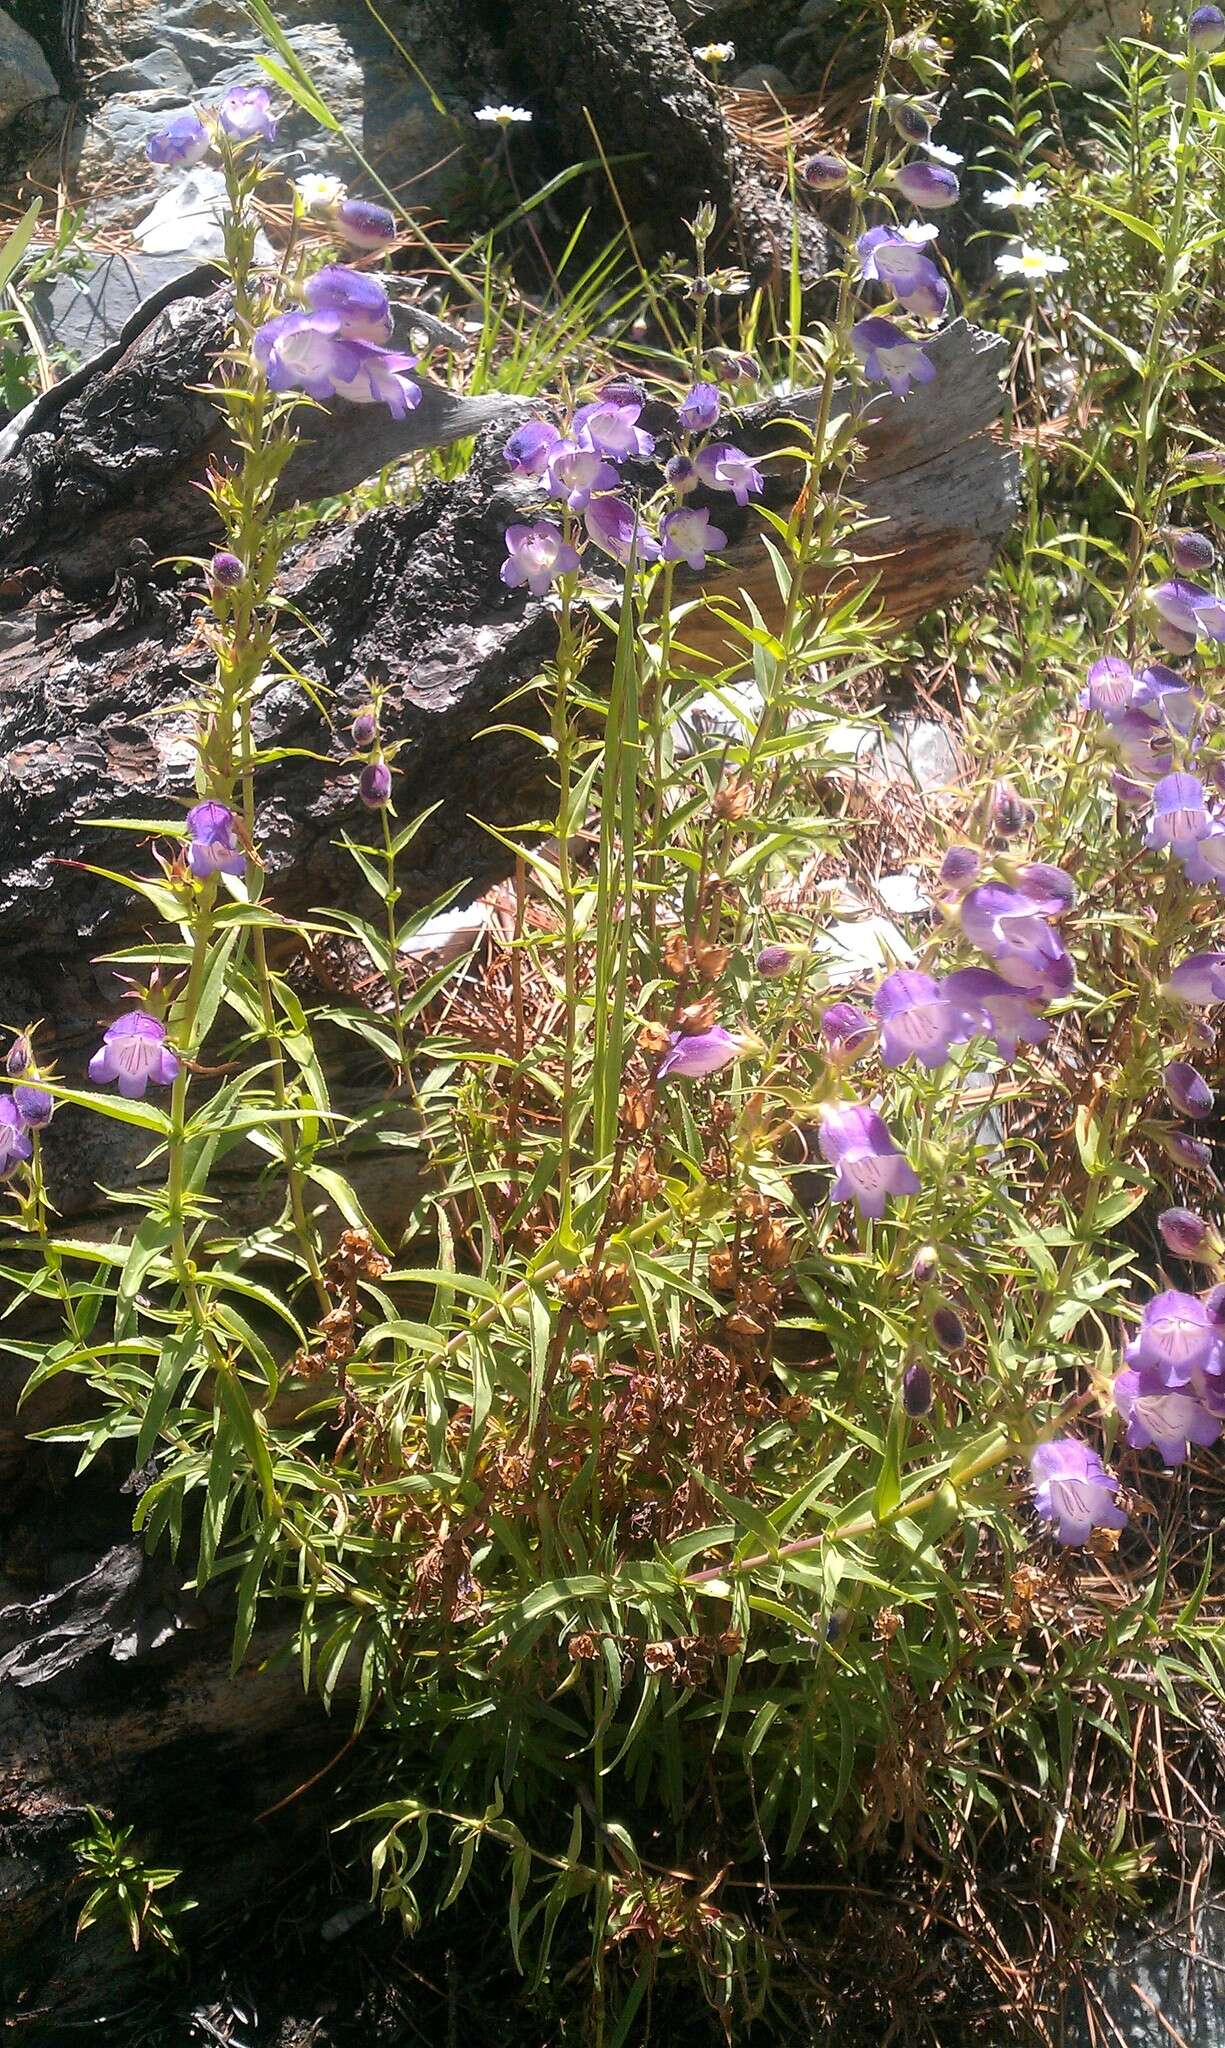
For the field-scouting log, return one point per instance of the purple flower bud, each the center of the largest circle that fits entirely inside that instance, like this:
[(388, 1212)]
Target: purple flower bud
[(133, 1053), (947, 1327), (911, 123), (688, 536), (365, 727), (183, 142), (915, 1019), (694, 1055), (1206, 29), (529, 448), (1200, 978), (960, 865), (775, 961), (16, 1144), (363, 224), (1188, 1090), (925, 1265), (916, 1389), (1108, 686), (374, 785), (869, 1166), (724, 468), (1009, 816), (847, 1031), (699, 409), (214, 848), (1073, 1491), (623, 391), (246, 114), (735, 369), (824, 172), (614, 526), (226, 572), (1214, 1307), (35, 1106), (360, 303), (1190, 1153), (1192, 553), (1166, 1419), (928, 186), (680, 473), (1049, 889), (537, 555), (889, 356), (19, 1058), (1189, 1235)]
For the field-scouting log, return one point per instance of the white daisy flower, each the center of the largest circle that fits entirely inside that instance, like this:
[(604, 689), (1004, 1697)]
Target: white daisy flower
[(318, 190), (502, 117), (715, 53), (1021, 198), (1029, 263)]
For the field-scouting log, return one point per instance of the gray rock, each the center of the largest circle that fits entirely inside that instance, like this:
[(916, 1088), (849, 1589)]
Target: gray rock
[(87, 312), (25, 75), (1174, 1975), (764, 78), (187, 219), (157, 70)]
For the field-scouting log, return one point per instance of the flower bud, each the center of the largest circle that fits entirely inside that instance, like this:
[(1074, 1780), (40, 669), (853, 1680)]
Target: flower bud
[(374, 785), (947, 1327), (35, 1106), (681, 474), (1189, 1235), (1009, 815), (824, 172), (916, 1389), (1187, 1090), (1206, 462), (735, 368), (773, 961), (623, 391), (1192, 1153), (1214, 1303), (911, 122), (1189, 551), (226, 571), (365, 727), (960, 866), (19, 1056), (847, 1031), (363, 224), (925, 1265), (1206, 29)]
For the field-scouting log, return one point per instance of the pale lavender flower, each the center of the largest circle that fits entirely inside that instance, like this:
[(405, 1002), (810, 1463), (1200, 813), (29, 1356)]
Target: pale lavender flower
[(181, 143), (1179, 814), (1108, 686), (695, 1054), (360, 303), (1190, 1236), (575, 473), (894, 257), (364, 224), (612, 429), (985, 1005), (615, 527), (1206, 29), (1073, 1491), (374, 785), (889, 356), (1143, 742), (1167, 1419), (133, 1053), (1205, 862), (1189, 609), (226, 572), (378, 376), (688, 536), (246, 114), (1172, 638), (916, 1020), (824, 172), (214, 848), (1191, 552), (307, 352), (537, 555), (929, 186), (847, 1031), (724, 468), (1200, 978), (531, 447), (1214, 1309), (35, 1105), (1187, 1089), (1127, 791), (869, 1166), (16, 1144), (998, 919), (1176, 1337), (1163, 693), (699, 409)]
